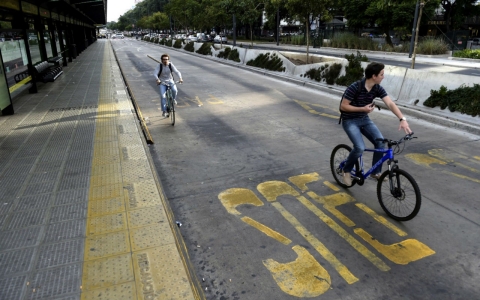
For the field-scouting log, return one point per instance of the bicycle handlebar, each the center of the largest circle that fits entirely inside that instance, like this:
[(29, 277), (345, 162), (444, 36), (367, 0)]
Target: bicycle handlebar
[(391, 143), (162, 82)]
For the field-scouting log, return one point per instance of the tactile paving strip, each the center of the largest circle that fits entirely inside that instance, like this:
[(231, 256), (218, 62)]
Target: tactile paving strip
[(124, 291), (160, 269), (125, 211), (101, 273)]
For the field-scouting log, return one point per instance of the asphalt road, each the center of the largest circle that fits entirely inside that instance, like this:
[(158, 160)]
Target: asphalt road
[(246, 171)]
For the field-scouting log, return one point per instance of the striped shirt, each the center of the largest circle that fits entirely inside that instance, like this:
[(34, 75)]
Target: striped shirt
[(364, 98)]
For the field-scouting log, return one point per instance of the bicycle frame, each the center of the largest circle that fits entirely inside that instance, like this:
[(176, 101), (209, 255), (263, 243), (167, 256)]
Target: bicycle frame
[(389, 156)]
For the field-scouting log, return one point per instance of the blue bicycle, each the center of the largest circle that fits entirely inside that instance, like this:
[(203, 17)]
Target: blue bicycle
[(397, 191)]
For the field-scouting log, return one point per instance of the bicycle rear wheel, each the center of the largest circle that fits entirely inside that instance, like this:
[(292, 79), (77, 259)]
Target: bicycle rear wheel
[(403, 201), (339, 155)]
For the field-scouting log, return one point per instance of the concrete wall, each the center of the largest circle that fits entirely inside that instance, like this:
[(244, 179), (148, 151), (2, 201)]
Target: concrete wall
[(418, 84)]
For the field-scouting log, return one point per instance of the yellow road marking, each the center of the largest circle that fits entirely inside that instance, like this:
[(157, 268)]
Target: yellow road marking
[(331, 186), (301, 180), (267, 230), (400, 253), (304, 277), (381, 219), (426, 161), (317, 245), (439, 154), (197, 101), (216, 100), (306, 106), (272, 189), (331, 202), (234, 197)]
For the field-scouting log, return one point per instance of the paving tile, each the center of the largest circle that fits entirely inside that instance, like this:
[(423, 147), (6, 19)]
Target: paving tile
[(63, 253), (12, 287), (19, 238), (68, 212), (45, 284), (65, 230), (17, 261)]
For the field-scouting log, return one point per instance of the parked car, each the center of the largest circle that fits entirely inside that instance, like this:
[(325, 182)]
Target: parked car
[(192, 38), (220, 39), (119, 36)]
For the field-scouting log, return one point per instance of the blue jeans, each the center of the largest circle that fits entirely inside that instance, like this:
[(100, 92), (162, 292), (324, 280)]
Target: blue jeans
[(354, 129), (163, 94)]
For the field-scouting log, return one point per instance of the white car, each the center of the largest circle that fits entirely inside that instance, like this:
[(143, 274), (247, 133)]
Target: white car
[(220, 39), (193, 38), (119, 36)]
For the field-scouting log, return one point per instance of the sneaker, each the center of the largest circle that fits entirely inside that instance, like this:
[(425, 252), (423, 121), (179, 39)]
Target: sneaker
[(175, 101), (347, 178), (163, 114), (166, 115), (377, 177)]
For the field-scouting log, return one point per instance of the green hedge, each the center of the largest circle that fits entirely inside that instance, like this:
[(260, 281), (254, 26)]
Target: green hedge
[(205, 49), (178, 44), (464, 99), (229, 54), (328, 72), (189, 47), (354, 70), (267, 61), (467, 53)]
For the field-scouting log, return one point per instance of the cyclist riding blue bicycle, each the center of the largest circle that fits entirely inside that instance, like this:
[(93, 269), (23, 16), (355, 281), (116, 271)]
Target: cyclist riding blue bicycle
[(164, 73), (355, 107)]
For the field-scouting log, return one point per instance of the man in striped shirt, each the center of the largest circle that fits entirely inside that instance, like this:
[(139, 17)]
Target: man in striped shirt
[(355, 107)]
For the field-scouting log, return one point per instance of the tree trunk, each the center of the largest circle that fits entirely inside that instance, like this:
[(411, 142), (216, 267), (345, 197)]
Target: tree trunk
[(251, 34), (308, 35)]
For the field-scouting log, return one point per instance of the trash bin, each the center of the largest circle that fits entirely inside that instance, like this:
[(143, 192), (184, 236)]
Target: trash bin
[(73, 50)]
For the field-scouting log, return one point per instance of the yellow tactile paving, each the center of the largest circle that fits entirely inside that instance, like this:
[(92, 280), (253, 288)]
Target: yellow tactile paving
[(102, 273), (160, 271), (130, 250), (119, 291)]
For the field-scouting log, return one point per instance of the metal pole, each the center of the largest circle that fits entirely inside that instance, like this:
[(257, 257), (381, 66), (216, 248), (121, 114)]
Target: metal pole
[(413, 29), (278, 25), (416, 35)]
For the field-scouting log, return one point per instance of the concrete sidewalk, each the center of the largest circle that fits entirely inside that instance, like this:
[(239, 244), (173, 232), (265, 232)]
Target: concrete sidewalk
[(82, 212)]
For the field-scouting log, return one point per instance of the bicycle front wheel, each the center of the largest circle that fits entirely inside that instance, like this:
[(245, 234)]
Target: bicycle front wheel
[(170, 107), (402, 201), (339, 155)]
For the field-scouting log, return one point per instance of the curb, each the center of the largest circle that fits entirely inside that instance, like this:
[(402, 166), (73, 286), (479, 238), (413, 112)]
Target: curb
[(413, 111)]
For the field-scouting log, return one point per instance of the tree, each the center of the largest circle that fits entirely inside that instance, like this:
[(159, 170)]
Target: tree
[(306, 11), (183, 11), (387, 15), (457, 10), (271, 9)]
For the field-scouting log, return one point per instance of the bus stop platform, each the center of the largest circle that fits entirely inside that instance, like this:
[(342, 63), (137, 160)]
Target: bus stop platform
[(82, 211)]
